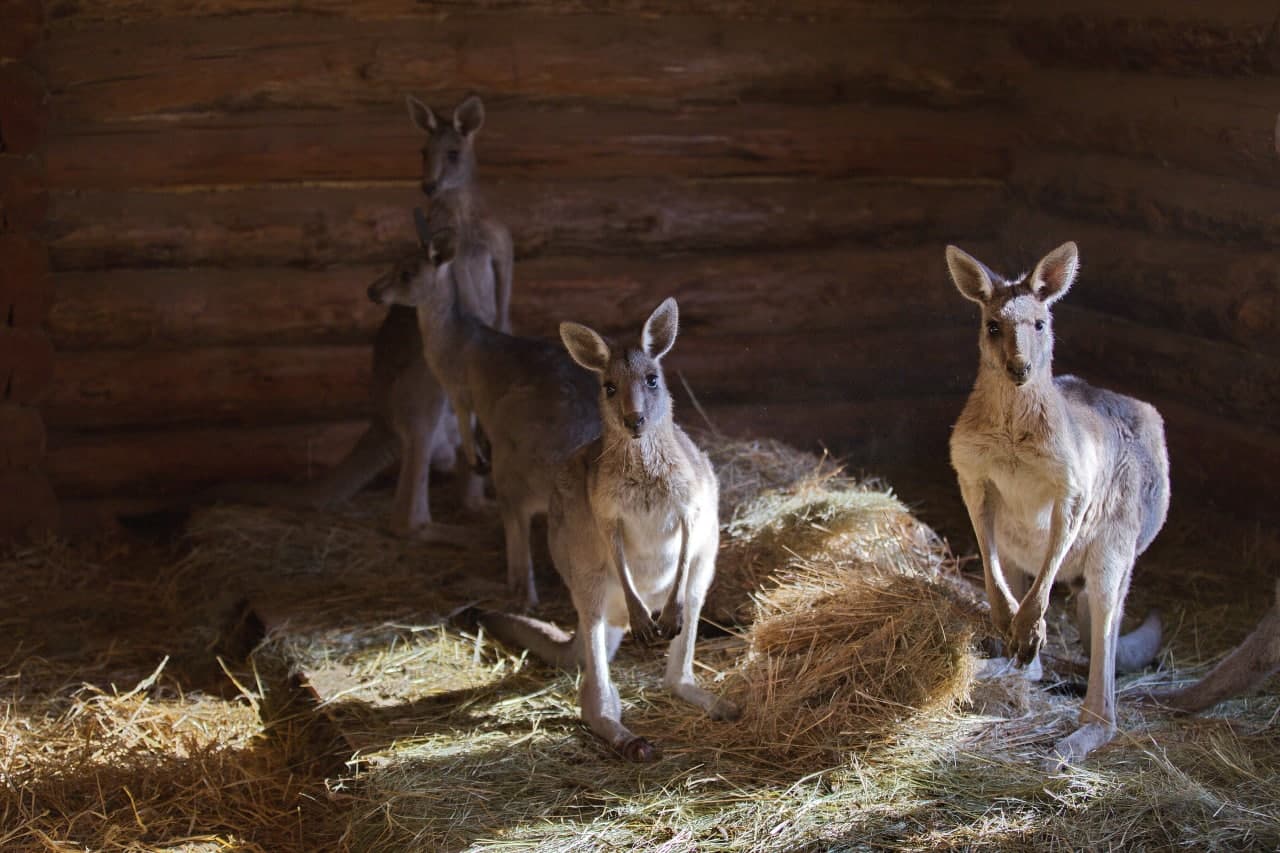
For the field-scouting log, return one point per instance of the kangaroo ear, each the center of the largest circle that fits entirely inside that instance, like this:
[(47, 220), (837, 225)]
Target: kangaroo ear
[(423, 229), (469, 116), (1055, 273), (442, 246), (420, 114), (972, 278), (585, 346), (659, 334)]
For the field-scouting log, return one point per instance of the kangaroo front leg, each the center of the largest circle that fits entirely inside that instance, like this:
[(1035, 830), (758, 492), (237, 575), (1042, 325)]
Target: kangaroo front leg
[(981, 500), (1028, 630), (601, 705), (643, 627), (671, 619)]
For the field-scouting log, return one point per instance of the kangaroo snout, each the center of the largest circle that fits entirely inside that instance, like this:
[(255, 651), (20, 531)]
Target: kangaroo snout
[(429, 188), (634, 421), (1019, 370), (375, 292)]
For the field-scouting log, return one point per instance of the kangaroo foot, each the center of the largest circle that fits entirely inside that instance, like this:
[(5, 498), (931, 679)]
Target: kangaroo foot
[(1075, 747), (637, 749)]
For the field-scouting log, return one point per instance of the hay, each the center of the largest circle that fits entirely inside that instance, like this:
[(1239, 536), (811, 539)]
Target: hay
[(864, 729)]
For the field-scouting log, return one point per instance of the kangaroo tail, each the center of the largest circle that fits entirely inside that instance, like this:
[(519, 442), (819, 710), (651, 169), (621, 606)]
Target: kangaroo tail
[(376, 449), (1248, 665), (544, 640)]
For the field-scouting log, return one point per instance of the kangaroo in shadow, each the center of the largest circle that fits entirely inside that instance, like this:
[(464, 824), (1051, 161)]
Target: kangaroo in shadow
[(1252, 662), (535, 405), (633, 528), (1062, 481)]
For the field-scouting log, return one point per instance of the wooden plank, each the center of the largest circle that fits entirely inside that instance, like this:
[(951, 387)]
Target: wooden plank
[(24, 198), (1211, 125), (522, 140), (1230, 382), (248, 385), (317, 226), (23, 23), (816, 291), (180, 461), (28, 507), (297, 61), (26, 364), (1223, 293), (22, 436), (1106, 189), (1233, 38), (25, 290), (23, 109)]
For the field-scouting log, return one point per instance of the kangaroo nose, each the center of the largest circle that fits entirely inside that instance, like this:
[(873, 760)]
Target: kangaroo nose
[(428, 187), (374, 294), (1019, 370), (633, 421)]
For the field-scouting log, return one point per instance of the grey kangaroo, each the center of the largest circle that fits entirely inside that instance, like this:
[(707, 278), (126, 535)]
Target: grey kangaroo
[(533, 402), (1062, 481), (633, 530)]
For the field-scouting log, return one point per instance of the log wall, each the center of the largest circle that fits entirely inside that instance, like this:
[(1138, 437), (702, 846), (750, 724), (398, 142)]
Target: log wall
[(27, 503), (227, 176)]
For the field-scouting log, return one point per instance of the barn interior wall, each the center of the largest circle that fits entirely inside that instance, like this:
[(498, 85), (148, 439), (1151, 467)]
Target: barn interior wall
[(227, 176)]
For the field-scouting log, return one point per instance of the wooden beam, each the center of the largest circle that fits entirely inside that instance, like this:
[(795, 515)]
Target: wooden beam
[(318, 226), (259, 385), (24, 198), (22, 437), (523, 140), (23, 109), (23, 23), (26, 364), (298, 61), (25, 290), (28, 508), (854, 290)]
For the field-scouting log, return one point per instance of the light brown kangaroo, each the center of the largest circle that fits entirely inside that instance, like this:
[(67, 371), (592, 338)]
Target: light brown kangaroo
[(1062, 481), (483, 244), (533, 402), (1249, 664), (633, 530)]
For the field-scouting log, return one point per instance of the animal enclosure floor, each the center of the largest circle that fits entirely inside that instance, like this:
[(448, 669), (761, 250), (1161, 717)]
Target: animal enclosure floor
[(280, 680)]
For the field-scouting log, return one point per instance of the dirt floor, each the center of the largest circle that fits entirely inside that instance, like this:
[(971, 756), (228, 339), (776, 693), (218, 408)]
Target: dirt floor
[(271, 680)]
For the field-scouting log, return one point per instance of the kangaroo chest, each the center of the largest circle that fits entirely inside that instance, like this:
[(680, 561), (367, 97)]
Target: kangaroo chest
[(650, 522)]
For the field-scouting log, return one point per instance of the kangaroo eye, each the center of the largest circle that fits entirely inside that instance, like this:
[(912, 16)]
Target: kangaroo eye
[(453, 156), (651, 380), (610, 389), (1039, 325), (993, 329)]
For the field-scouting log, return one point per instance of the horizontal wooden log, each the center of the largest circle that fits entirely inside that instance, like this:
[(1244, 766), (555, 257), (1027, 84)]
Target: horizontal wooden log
[(815, 291), (24, 197), (25, 289), (1234, 38), (1211, 125), (26, 364), (178, 461), (23, 109), (22, 436), (249, 385), (1227, 381), (1162, 200), (239, 63), (317, 226), (1223, 293), (23, 21), (28, 507), (522, 140), (169, 461)]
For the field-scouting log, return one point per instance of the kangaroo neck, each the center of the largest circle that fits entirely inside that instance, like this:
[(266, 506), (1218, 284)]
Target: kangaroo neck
[(1017, 406), (443, 324), (463, 203), (649, 455)]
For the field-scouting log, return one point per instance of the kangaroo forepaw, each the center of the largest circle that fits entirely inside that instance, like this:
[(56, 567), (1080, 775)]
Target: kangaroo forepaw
[(1026, 638), (670, 622), (644, 627), (637, 749)]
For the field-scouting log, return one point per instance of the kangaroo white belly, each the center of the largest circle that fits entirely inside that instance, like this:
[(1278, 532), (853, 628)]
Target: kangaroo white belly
[(652, 542)]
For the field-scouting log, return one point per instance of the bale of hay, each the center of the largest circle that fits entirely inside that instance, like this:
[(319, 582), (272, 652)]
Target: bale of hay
[(783, 509), (840, 661)]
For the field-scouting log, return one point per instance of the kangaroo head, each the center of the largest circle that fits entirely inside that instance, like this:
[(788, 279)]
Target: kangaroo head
[(420, 278), (1017, 328), (449, 157), (633, 390)]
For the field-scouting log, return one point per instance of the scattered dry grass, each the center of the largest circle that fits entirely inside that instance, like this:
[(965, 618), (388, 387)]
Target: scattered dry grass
[(135, 718)]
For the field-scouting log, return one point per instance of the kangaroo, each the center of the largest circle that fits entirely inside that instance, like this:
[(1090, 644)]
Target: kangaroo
[(534, 404), (1249, 664), (1062, 481), (411, 423), (483, 244), (632, 527)]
